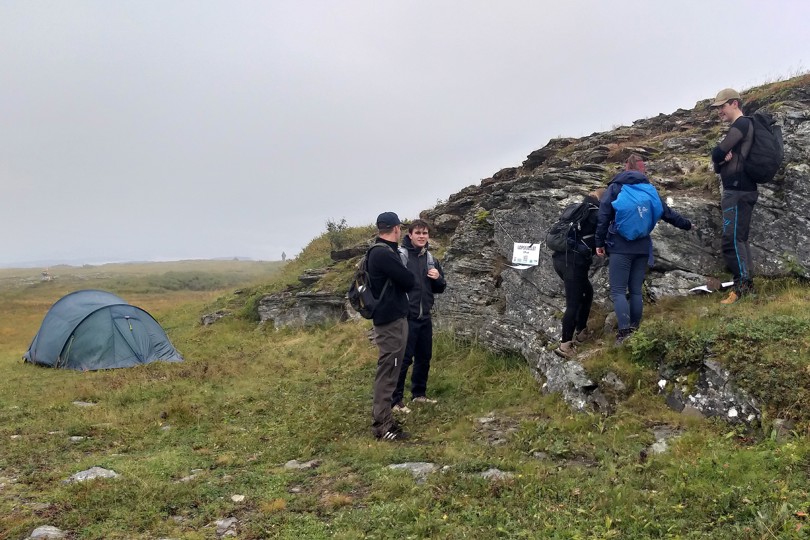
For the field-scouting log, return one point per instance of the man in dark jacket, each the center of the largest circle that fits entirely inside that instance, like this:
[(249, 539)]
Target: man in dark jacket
[(739, 191), (429, 281), (390, 321)]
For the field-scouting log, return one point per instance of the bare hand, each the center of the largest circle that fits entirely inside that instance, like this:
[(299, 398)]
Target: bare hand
[(600, 252), (728, 156), (433, 273)]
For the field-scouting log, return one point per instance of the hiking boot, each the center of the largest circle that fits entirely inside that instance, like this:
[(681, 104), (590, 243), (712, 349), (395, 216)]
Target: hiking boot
[(394, 434), (423, 399), (622, 335), (583, 335), (731, 298), (566, 349), (400, 408)]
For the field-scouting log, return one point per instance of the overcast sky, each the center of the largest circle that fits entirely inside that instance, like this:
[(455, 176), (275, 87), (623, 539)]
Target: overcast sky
[(163, 130)]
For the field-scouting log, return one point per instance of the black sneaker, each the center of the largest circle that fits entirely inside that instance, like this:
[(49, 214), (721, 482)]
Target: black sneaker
[(394, 434)]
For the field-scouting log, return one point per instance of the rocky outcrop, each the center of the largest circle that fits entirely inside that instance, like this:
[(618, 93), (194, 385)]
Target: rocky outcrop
[(210, 318), (302, 309), (713, 395), (312, 276), (518, 310), (350, 252)]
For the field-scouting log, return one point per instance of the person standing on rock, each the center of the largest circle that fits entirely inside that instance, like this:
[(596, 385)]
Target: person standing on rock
[(573, 267), (390, 322), (429, 281), (629, 259), (739, 191)]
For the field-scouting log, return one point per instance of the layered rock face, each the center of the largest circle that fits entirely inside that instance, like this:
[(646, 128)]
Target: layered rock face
[(518, 310)]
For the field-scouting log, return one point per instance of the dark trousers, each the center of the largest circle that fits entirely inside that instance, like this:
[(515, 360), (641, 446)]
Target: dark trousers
[(418, 352), (578, 293), (391, 340), (738, 207), (626, 274)]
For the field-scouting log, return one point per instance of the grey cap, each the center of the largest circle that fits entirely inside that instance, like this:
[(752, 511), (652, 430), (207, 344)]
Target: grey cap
[(724, 95), (387, 220)]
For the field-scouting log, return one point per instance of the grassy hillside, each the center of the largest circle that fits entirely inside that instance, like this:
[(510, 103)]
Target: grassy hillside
[(190, 439)]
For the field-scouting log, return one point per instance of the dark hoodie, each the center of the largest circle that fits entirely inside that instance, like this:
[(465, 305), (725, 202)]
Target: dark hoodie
[(385, 264), (738, 141), (421, 295), (608, 238)]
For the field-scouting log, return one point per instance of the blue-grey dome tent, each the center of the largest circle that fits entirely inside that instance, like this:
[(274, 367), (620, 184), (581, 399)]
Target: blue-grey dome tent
[(88, 330)]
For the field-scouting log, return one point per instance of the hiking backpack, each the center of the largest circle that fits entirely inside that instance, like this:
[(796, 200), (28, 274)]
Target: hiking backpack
[(360, 296), (638, 208), (565, 233), (767, 149)]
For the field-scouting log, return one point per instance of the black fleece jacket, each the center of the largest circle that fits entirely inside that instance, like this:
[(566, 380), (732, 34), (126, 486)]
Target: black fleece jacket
[(421, 295), (738, 141), (385, 264)]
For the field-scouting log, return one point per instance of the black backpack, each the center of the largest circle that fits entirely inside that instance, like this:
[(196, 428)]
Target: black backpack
[(360, 296), (565, 233), (767, 149)]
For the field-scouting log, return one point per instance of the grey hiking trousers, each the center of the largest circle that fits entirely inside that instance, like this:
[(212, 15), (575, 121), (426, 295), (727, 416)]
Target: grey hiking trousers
[(391, 340)]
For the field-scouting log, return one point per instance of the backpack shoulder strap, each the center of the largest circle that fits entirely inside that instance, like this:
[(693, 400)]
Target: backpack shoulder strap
[(368, 252), (403, 255), (748, 137)]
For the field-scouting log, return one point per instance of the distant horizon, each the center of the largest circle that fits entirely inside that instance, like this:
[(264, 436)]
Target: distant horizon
[(78, 263)]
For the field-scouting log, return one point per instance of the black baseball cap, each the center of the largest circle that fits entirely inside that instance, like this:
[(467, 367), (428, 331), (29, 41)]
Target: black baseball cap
[(387, 220)]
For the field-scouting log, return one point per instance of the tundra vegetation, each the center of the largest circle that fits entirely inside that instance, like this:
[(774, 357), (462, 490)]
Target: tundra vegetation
[(208, 439)]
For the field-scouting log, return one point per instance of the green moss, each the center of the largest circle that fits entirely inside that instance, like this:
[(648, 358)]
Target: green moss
[(482, 220)]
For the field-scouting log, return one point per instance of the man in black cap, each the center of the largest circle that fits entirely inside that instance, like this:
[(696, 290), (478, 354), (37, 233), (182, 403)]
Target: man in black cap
[(739, 191), (390, 321)]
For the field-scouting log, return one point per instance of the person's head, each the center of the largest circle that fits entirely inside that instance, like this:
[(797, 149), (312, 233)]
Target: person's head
[(419, 232), (388, 226), (635, 163), (728, 104)]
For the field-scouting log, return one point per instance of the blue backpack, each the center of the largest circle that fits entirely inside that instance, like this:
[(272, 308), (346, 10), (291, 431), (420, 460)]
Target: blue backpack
[(638, 208)]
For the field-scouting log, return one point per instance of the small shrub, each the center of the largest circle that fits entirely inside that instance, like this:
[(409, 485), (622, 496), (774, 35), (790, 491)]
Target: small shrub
[(482, 220), (336, 232)]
